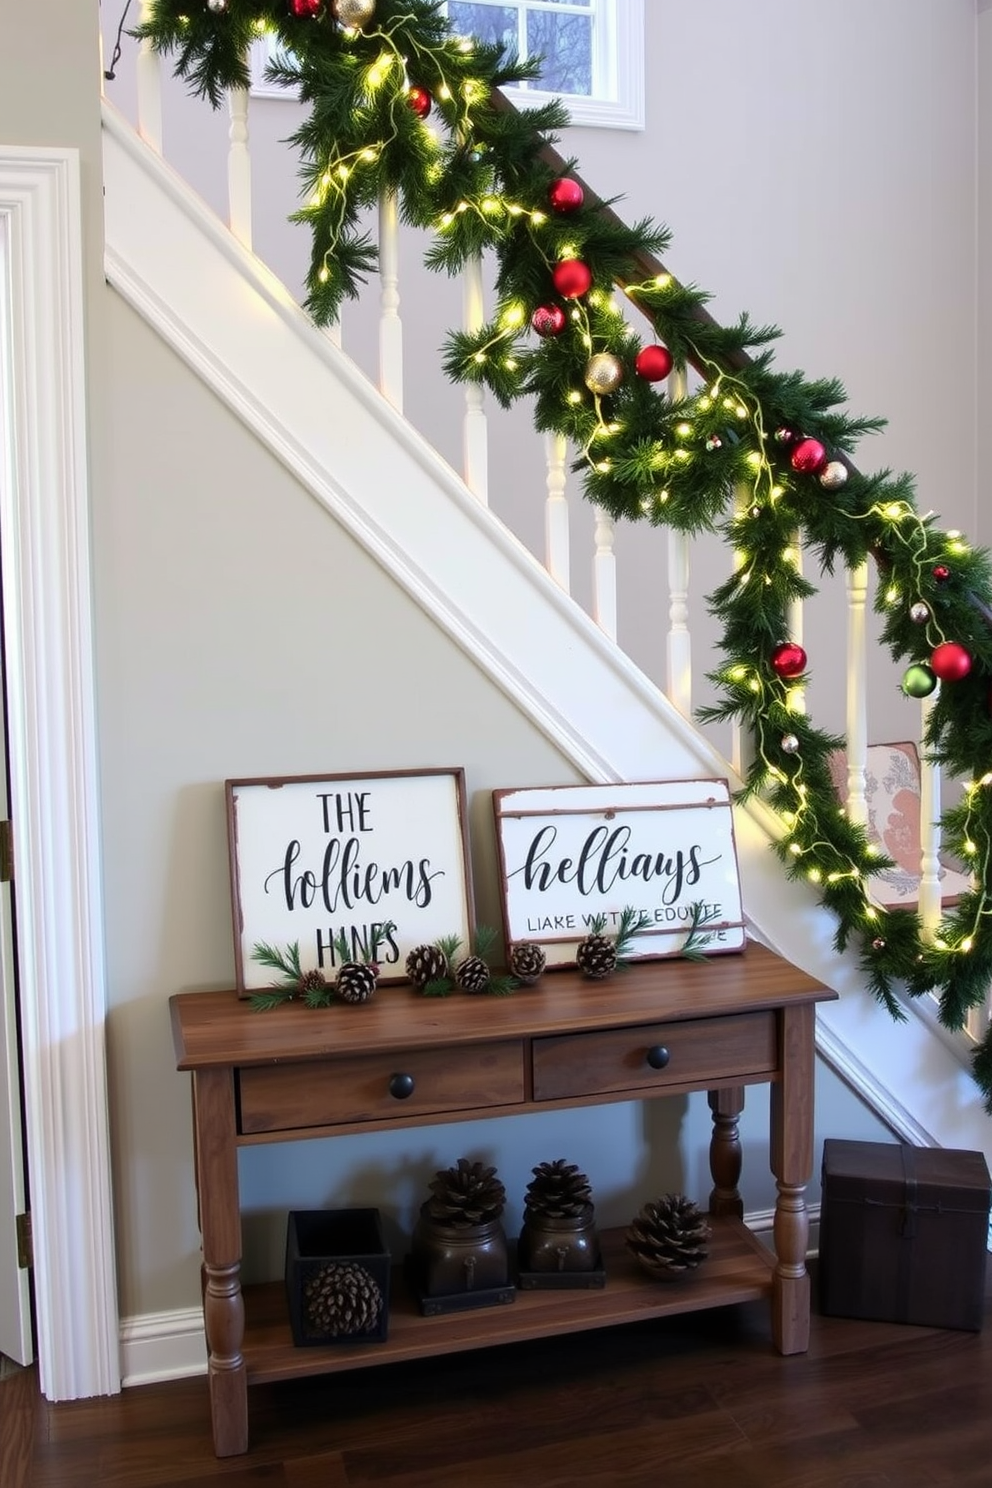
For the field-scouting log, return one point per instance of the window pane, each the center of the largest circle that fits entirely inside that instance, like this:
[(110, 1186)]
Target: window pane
[(494, 24), (565, 43)]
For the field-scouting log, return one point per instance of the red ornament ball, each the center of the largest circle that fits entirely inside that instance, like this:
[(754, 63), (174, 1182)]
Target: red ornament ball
[(565, 195), (305, 7), (941, 573), (950, 662), (549, 320), (420, 101), (572, 278), (808, 457), (788, 660), (654, 363)]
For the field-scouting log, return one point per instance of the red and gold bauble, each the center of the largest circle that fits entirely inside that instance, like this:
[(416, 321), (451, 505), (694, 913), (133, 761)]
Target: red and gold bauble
[(572, 278), (950, 662), (420, 101), (654, 363), (788, 660), (565, 195), (808, 457), (549, 320)]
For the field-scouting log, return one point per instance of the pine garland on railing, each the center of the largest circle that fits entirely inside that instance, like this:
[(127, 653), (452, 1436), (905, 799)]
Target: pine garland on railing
[(759, 455)]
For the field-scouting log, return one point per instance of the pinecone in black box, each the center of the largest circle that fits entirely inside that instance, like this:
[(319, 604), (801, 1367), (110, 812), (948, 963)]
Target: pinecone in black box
[(467, 1194), (341, 1300), (669, 1237), (557, 1189), (527, 962)]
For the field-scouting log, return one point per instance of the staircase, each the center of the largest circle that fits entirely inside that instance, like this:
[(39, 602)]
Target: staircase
[(237, 326)]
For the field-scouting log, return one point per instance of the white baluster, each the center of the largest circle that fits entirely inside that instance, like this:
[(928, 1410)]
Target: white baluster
[(475, 429), (796, 699), (741, 743), (239, 167), (679, 678), (930, 901), (556, 539), (148, 76), (390, 325), (604, 575), (857, 694)]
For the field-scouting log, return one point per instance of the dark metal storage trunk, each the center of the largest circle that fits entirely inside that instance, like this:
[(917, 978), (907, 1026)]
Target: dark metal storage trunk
[(903, 1233)]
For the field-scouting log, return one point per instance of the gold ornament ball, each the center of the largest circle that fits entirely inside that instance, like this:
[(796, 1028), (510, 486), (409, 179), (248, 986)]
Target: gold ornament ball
[(833, 476), (604, 373), (353, 13)]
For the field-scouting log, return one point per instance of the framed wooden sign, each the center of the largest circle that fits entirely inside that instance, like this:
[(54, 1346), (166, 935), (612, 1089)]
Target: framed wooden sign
[(662, 848), (314, 858)]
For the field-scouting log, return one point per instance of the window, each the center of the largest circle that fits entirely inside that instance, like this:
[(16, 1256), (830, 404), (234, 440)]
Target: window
[(593, 52)]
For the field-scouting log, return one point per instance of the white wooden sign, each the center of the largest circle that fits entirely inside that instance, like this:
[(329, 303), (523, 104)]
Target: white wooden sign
[(316, 858), (663, 848)]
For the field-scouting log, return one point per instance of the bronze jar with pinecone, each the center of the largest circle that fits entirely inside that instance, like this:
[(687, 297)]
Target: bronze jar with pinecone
[(459, 1243), (559, 1227)]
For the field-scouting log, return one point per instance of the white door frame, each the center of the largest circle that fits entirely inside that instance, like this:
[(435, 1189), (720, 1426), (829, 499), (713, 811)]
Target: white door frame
[(48, 657)]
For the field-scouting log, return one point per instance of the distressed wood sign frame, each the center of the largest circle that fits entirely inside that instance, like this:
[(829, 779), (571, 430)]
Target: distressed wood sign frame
[(568, 853), (315, 856)]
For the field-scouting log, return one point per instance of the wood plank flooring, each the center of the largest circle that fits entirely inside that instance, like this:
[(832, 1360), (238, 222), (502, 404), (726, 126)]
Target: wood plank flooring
[(689, 1402)]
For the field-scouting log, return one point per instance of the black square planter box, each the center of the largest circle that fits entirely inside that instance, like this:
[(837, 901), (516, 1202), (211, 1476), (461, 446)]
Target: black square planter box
[(337, 1276), (903, 1233)]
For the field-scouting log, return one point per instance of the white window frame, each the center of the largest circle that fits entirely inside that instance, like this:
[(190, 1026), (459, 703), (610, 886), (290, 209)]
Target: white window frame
[(619, 63)]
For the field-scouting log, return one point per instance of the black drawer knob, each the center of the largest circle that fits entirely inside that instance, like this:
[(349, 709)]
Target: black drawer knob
[(658, 1056), (400, 1086)]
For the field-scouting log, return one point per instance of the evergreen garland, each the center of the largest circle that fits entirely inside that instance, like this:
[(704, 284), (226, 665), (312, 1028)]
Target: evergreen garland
[(719, 458)]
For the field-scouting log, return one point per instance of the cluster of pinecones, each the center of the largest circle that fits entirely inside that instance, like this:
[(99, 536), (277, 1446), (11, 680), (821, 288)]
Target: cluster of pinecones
[(669, 1237), (438, 969), (341, 1300)]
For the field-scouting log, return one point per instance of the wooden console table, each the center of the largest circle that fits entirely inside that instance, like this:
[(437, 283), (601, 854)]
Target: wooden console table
[(657, 1028)]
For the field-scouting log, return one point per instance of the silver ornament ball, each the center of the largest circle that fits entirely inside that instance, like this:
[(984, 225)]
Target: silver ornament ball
[(353, 13), (604, 373), (790, 744), (919, 613), (833, 475), (217, 6)]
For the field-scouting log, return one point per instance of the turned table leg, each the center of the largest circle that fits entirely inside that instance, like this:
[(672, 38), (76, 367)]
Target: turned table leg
[(792, 1163), (725, 1151), (220, 1227)]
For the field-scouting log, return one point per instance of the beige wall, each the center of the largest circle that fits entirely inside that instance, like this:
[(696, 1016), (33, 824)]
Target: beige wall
[(824, 196)]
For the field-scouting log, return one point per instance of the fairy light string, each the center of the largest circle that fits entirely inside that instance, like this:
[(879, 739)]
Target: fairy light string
[(482, 182)]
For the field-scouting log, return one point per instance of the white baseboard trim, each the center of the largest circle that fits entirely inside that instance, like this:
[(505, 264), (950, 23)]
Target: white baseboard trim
[(159, 1346)]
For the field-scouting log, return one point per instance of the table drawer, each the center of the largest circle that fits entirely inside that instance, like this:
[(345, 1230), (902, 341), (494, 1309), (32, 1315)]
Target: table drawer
[(377, 1087), (620, 1059)]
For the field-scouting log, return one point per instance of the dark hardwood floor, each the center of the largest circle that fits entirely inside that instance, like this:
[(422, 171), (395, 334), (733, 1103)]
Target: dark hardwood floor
[(694, 1402)]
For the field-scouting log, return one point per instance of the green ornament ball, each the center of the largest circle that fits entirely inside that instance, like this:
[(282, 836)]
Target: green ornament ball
[(918, 681)]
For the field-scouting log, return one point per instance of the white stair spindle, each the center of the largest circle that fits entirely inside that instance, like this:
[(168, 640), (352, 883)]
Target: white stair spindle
[(239, 167), (857, 694), (148, 72), (679, 658), (390, 325), (475, 428), (741, 743), (556, 538), (604, 575), (930, 901)]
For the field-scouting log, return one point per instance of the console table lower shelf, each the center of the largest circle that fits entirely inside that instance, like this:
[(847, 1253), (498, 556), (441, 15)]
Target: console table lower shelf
[(739, 1269)]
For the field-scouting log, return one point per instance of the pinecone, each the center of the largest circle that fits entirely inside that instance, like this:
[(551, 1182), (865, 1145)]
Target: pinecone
[(312, 981), (527, 962), (472, 974), (342, 1299), (468, 1194), (356, 982), (669, 1237), (596, 954), (557, 1190), (426, 963)]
